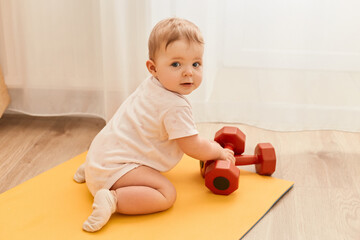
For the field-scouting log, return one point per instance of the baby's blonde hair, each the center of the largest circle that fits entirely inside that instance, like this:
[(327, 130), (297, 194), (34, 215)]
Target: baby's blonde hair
[(170, 30)]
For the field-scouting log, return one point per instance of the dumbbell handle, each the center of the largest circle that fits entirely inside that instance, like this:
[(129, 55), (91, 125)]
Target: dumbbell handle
[(246, 160), (243, 159)]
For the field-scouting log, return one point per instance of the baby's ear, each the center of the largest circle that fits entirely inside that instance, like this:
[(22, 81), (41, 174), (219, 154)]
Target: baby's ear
[(151, 67)]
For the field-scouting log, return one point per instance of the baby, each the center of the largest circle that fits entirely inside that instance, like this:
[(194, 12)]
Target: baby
[(150, 131)]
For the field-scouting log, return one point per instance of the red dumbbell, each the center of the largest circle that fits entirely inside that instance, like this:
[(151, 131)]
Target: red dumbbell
[(264, 156), (222, 177), (264, 159)]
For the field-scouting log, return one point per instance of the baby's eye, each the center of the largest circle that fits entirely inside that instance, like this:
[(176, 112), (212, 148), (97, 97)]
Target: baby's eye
[(175, 64), (196, 64)]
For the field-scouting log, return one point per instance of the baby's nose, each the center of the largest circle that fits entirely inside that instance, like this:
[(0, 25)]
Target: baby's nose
[(188, 72)]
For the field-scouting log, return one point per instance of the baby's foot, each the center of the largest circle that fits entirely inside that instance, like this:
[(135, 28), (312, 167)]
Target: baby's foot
[(79, 176), (103, 207)]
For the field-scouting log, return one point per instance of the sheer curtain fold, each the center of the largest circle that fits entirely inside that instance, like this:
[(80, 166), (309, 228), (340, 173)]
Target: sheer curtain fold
[(295, 67)]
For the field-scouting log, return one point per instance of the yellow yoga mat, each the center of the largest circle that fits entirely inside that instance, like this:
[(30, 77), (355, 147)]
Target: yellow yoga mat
[(52, 206)]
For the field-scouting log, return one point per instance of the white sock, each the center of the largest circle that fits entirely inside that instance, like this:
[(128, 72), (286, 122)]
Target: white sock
[(103, 207), (79, 176)]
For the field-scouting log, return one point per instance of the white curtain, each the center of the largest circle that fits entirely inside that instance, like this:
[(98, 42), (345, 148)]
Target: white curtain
[(279, 65)]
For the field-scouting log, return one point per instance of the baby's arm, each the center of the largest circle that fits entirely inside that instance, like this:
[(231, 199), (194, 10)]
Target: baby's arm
[(203, 149)]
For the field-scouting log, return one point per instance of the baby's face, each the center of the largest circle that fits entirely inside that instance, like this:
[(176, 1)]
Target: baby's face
[(179, 66)]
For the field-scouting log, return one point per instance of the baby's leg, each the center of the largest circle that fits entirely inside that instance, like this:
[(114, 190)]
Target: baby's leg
[(143, 190), (79, 176), (103, 207)]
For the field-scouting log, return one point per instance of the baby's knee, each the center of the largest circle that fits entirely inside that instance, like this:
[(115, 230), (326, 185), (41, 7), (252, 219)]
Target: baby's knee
[(173, 195), (169, 193)]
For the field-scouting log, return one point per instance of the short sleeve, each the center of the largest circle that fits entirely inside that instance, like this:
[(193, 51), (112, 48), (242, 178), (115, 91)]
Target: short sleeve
[(179, 123)]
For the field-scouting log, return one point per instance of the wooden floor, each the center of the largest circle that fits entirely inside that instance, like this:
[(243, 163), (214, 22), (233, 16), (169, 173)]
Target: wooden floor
[(30, 146), (325, 166)]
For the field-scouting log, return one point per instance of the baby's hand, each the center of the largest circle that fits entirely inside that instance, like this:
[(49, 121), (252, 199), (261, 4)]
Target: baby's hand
[(228, 155)]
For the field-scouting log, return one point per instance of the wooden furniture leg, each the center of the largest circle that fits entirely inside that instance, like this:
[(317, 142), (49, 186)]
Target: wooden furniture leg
[(4, 95)]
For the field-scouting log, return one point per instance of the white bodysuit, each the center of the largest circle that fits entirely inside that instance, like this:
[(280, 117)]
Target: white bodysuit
[(141, 132)]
